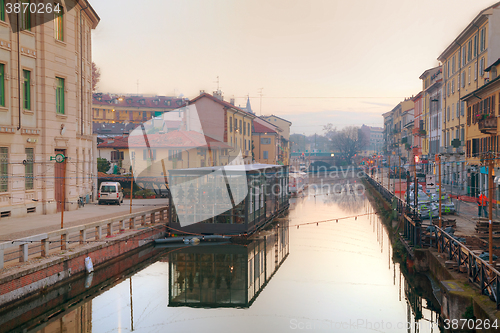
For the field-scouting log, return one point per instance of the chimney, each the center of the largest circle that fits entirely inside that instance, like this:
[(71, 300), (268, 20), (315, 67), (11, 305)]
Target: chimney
[(231, 101), (218, 94), (202, 92)]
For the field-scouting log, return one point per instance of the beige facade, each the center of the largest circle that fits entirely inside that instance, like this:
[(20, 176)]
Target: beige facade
[(45, 109), (284, 148)]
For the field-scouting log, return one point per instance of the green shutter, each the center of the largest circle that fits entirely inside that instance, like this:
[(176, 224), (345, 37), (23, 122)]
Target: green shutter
[(60, 95), (27, 89), (2, 85)]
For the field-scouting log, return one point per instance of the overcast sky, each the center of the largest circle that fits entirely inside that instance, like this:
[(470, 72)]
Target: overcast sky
[(340, 61)]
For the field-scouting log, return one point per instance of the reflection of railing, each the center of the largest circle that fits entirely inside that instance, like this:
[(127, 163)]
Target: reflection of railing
[(21, 248), (479, 272)]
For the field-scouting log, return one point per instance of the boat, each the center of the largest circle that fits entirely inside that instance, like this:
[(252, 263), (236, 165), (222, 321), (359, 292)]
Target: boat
[(297, 181)]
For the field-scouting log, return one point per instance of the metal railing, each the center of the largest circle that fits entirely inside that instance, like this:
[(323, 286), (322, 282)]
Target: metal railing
[(20, 249), (479, 272)]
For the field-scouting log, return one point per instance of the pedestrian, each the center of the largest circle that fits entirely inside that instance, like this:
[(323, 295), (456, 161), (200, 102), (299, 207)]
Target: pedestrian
[(482, 204)]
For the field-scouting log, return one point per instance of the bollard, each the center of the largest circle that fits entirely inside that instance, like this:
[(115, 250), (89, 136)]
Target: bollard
[(64, 241), (132, 223)]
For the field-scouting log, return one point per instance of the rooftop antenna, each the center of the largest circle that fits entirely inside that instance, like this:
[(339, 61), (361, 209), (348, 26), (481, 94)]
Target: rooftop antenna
[(217, 82), (261, 94)]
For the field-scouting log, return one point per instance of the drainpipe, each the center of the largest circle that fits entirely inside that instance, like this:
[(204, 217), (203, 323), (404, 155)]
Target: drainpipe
[(19, 70), (81, 69)]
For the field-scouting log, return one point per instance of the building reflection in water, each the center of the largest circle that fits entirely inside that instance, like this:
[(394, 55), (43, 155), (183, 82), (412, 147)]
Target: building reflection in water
[(78, 320), (226, 275)]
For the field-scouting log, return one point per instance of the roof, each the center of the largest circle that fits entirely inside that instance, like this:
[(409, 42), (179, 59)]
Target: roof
[(492, 65), (463, 33), (95, 18), (174, 139), (480, 89), (156, 102), (262, 127), (277, 117), (229, 168), (112, 129), (428, 71), (223, 103)]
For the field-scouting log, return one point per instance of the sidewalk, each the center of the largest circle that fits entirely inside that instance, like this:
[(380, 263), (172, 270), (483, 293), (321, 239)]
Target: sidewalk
[(18, 227)]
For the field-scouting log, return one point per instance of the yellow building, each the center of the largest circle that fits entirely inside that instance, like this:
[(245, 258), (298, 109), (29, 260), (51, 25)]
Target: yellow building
[(464, 62), (482, 127), (227, 123), (284, 148), (266, 142), (132, 109)]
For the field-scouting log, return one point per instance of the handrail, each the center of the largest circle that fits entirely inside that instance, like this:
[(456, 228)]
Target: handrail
[(97, 227)]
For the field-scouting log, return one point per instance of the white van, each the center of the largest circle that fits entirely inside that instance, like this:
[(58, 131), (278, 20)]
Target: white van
[(110, 192)]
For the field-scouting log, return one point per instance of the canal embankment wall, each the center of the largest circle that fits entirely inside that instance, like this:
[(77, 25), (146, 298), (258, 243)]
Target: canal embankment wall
[(459, 299), (55, 265)]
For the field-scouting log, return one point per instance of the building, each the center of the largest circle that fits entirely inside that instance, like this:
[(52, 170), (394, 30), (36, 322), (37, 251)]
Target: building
[(134, 109), (374, 137), (464, 63), (266, 142), (482, 130), (418, 124), (407, 121), (45, 111), (284, 126), (432, 82), (388, 132), (224, 122), (394, 132)]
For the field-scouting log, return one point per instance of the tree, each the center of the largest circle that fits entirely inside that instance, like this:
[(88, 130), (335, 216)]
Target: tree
[(96, 76), (347, 141), (102, 165)]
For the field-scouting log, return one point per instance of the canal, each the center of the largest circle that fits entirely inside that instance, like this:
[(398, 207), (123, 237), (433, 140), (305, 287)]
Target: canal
[(327, 266)]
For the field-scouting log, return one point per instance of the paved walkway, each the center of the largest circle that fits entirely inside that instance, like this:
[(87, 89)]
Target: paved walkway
[(18, 227)]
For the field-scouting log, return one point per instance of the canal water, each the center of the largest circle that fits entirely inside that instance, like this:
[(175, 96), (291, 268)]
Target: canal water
[(327, 266)]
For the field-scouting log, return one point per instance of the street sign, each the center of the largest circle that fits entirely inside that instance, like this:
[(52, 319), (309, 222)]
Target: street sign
[(59, 158)]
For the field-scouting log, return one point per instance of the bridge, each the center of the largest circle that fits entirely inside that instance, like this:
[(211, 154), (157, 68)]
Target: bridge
[(320, 159)]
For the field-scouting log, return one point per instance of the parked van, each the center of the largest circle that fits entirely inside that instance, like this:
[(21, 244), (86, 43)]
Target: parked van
[(110, 192)]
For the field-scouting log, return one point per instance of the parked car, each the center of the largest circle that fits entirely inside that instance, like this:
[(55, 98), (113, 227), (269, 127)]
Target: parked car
[(110, 192)]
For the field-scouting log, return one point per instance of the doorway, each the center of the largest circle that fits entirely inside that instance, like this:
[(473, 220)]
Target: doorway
[(60, 181)]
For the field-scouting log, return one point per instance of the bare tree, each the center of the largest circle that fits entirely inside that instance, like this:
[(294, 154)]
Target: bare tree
[(96, 76), (348, 141)]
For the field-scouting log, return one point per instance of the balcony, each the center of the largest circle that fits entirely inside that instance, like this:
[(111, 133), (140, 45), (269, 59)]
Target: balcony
[(488, 125)]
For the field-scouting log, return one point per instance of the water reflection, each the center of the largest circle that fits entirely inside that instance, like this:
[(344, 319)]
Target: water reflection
[(325, 276), (226, 275)]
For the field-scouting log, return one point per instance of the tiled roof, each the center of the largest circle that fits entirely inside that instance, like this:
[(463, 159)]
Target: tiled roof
[(112, 128), (261, 127), (174, 139), (156, 102), (223, 103)]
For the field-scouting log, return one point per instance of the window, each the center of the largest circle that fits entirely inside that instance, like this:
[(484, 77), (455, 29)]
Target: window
[(464, 56), (453, 111), (482, 41), (458, 109), (116, 155), (453, 86), (2, 10), (58, 24), (475, 46), (265, 141), (448, 113), (462, 135), (230, 124), (475, 71), (481, 66), (4, 167), (28, 169), (235, 125), (469, 74), (60, 95), (2, 84), (26, 16), (240, 126), (149, 154), (244, 129), (462, 108), (453, 65), (469, 50), (248, 130), (174, 154), (463, 79), (265, 154), (27, 89), (458, 82)]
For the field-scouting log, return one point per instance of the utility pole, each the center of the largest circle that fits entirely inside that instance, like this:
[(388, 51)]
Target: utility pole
[(131, 188), (490, 207), (261, 94)]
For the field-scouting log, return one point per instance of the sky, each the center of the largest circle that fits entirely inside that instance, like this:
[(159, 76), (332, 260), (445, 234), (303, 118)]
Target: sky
[(313, 62)]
